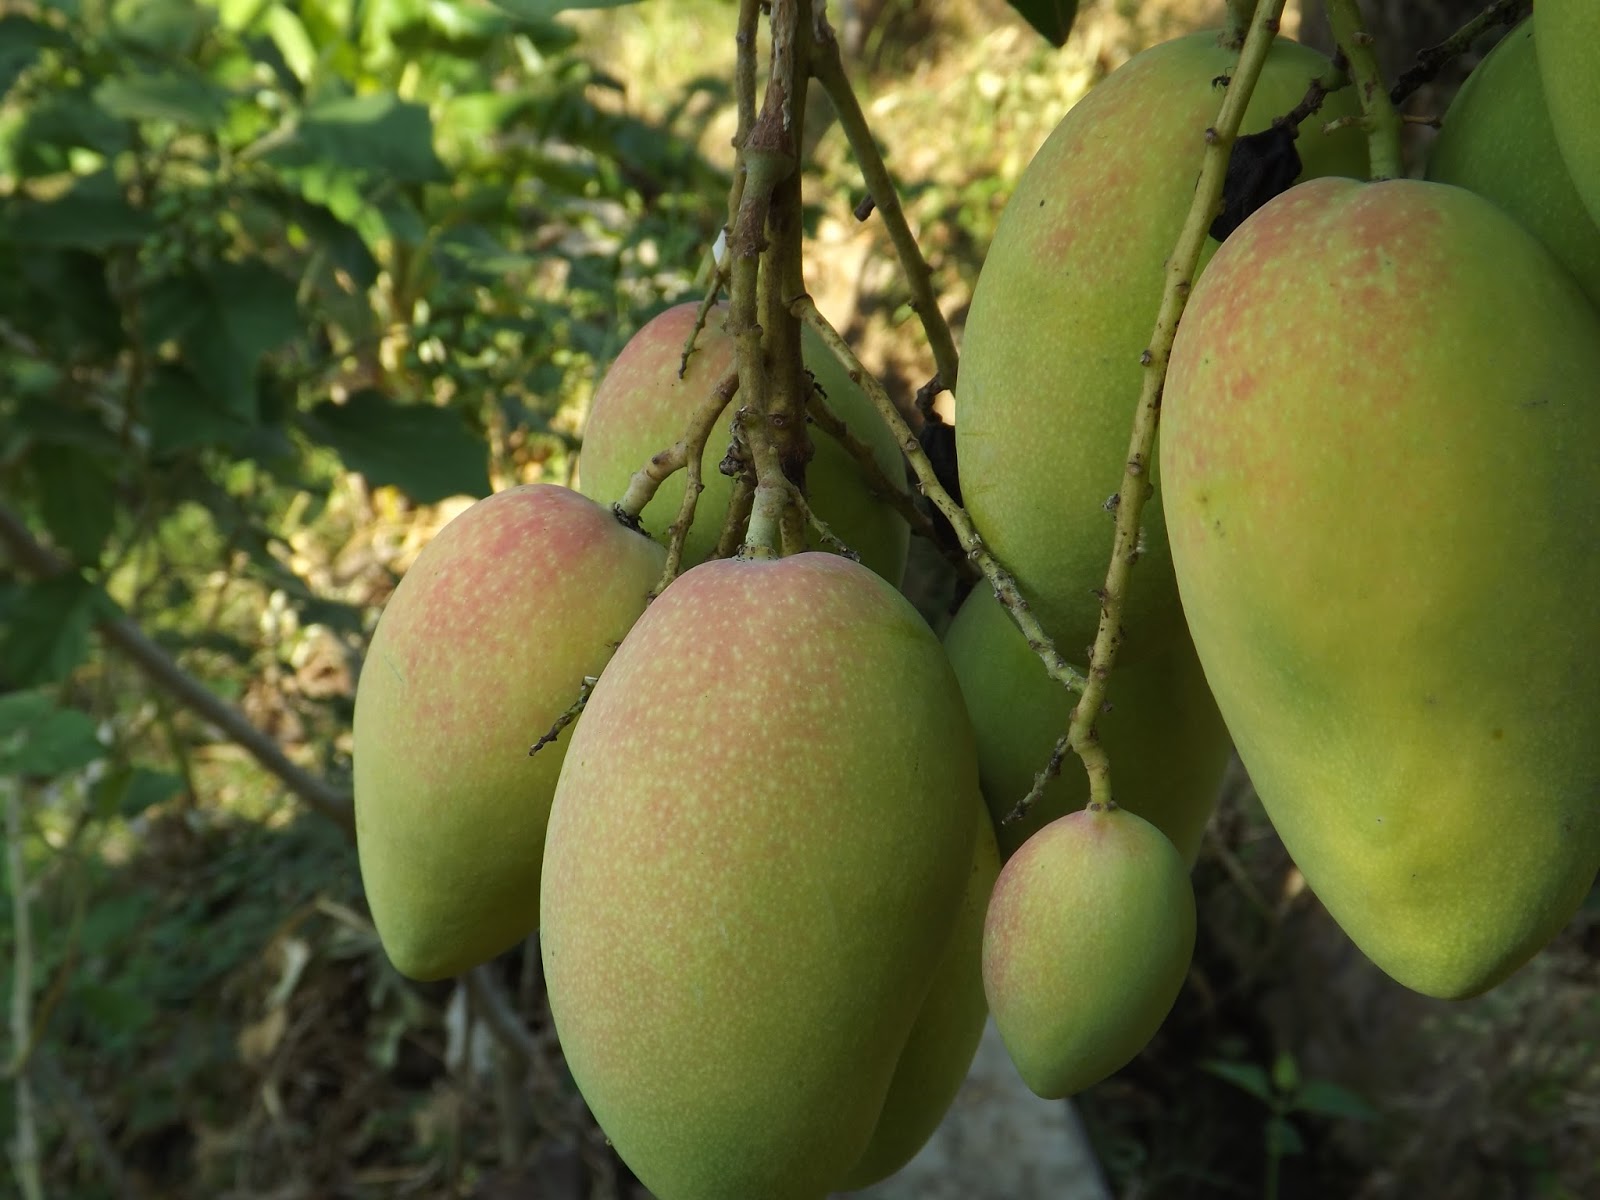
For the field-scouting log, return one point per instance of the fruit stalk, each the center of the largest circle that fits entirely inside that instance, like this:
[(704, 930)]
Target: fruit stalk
[(1081, 735), (1378, 113), (828, 67), (999, 578)]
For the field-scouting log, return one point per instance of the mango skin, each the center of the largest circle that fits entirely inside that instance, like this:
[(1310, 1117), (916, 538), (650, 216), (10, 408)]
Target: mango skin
[(1497, 141), (1086, 945), (943, 1042), (756, 857), (1568, 37), (1382, 420), (1063, 309), (1168, 745), (485, 642), (641, 407)]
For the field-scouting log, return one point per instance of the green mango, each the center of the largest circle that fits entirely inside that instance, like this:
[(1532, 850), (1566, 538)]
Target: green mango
[(1168, 745), (1063, 310), (1086, 945), (1568, 37), (641, 407), (1497, 141), (943, 1042), (756, 860), (484, 644), (1382, 451)]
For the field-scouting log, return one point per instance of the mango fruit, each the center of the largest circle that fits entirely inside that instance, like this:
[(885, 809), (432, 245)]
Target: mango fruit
[(1063, 309), (641, 407), (1567, 33), (1497, 141), (943, 1042), (485, 642), (757, 854), (1168, 745), (1086, 945), (1381, 436)]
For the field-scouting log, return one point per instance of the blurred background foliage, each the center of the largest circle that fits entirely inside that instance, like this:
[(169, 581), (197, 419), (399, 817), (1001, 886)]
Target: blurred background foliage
[(283, 285)]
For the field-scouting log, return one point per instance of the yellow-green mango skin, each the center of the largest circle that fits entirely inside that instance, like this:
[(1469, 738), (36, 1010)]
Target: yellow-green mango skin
[(1568, 36), (485, 642), (756, 858), (1382, 451), (1168, 745), (1497, 141), (1064, 307), (939, 1052), (641, 407), (1088, 939)]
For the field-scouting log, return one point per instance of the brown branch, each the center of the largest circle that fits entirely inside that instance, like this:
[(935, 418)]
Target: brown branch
[(880, 485), (828, 66), (1432, 60), (163, 670)]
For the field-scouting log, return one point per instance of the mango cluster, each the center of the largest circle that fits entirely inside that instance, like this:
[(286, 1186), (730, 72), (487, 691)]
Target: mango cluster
[(764, 832)]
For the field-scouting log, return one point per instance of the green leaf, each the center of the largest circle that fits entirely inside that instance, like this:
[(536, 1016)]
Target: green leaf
[(92, 215), (77, 498), (21, 40), (182, 415), (190, 102), (379, 133), (1247, 1076), (39, 738), (1052, 18), (429, 453), (1282, 1138), (60, 123), (252, 310), (167, 27), (128, 791), (1330, 1100), (289, 34), (47, 630), (543, 10)]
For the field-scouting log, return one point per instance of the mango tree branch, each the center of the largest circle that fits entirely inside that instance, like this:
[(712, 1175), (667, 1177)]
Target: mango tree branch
[(766, 158), (163, 670), (1377, 111), (1432, 60), (1082, 734), (828, 66), (1005, 587)]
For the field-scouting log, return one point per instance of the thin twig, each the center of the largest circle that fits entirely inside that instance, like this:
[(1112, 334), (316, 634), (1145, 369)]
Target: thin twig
[(1005, 587), (1432, 60), (828, 66), (572, 712), (880, 485), (163, 670), (829, 539), (1136, 488)]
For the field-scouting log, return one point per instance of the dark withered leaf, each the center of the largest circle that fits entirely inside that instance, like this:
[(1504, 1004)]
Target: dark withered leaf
[(1262, 165)]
